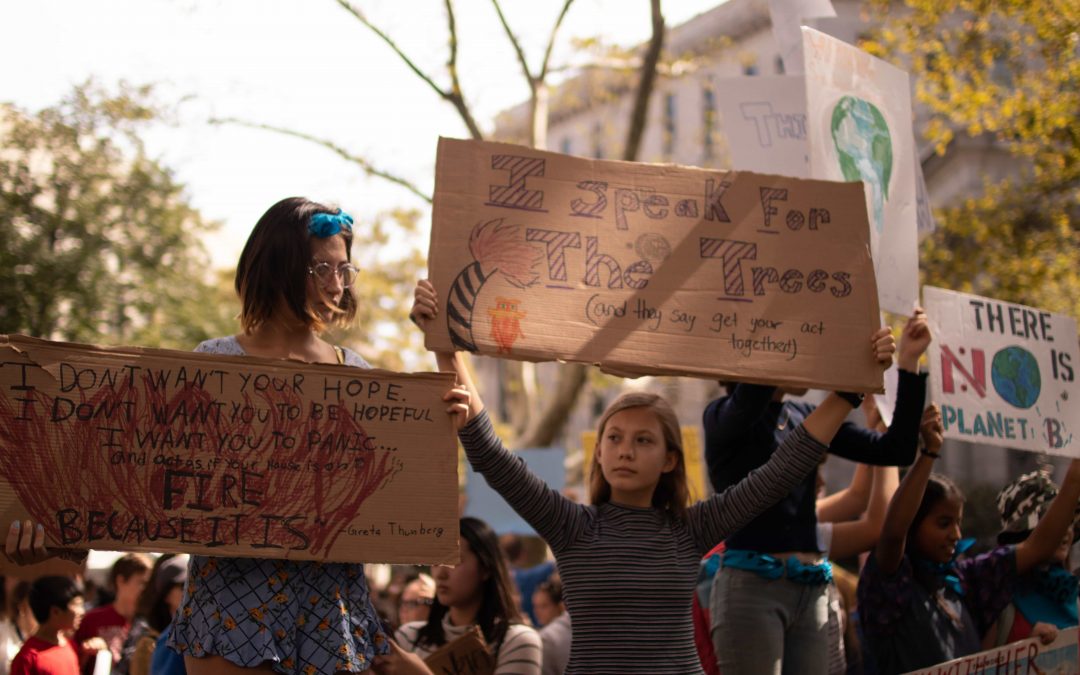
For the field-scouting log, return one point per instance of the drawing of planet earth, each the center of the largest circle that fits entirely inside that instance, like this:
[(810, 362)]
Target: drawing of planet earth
[(1015, 374), (864, 149)]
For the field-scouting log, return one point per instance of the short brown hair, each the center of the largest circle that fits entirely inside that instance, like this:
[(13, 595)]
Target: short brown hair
[(274, 265), (128, 566), (671, 493)]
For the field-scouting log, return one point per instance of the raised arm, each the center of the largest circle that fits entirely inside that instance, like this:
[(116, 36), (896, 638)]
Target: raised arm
[(905, 503), (850, 502), (712, 520), (1049, 532), (855, 536), (557, 519)]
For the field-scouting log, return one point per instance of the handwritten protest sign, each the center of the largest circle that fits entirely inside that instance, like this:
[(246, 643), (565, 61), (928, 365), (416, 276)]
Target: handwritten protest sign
[(1004, 374), (140, 449), (649, 269), (859, 127), (764, 123), (466, 655), (1027, 656)]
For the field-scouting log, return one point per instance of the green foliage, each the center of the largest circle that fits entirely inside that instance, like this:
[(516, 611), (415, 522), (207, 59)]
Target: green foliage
[(98, 242), (1008, 70)]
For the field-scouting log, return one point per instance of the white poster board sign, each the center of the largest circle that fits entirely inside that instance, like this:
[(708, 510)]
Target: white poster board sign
[(1026, 656), (764, 121), (859, 128), (1004, 374)]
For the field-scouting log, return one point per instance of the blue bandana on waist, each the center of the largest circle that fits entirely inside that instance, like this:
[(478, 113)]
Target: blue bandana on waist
[(945, 573), (771, 567)]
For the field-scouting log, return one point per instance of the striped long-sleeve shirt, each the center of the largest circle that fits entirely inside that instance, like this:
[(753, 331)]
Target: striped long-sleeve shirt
[(628, 572)]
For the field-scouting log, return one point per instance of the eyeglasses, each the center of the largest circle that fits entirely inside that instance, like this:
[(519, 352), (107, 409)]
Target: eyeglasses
[(419, 602), (347, 273)]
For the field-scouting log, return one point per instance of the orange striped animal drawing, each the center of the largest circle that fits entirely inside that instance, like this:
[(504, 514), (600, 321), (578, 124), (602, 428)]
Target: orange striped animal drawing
[(496, 248)]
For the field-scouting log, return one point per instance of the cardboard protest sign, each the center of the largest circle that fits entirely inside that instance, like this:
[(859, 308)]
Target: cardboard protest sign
[(466, 655), (1004, 374), (158, 450), (1026, 656), (652, 269), (859, 126)]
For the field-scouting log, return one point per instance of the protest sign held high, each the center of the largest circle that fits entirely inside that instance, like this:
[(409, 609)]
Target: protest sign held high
[(157, 450), (652, 269), (1004, 374)]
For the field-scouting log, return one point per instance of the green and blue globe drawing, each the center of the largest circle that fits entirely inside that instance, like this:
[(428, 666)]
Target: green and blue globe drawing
[(1015, 374), (864, 149)]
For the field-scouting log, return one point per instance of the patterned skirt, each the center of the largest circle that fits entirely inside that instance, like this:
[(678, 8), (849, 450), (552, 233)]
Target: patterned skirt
[(301, 617)]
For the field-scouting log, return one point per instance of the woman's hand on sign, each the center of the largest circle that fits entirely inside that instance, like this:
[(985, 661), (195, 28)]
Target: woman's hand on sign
[(425, 304), (25, 543), (400, 662), (459, 399), (884, 347), (914, 341)]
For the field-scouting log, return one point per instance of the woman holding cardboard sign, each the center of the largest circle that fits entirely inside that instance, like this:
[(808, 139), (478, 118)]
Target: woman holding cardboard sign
[(629, 560), (242, 615)]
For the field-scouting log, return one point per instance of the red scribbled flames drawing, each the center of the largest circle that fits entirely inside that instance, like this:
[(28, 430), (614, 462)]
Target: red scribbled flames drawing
[(81, 476)]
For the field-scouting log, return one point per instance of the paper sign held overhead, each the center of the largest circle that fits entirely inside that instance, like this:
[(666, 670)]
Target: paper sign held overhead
[(158, 450), (652, 269), (860, 129), (1004, 374), (1025, 656)]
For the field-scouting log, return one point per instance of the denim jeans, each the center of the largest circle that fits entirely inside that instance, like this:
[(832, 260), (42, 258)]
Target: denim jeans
[(762, 626)]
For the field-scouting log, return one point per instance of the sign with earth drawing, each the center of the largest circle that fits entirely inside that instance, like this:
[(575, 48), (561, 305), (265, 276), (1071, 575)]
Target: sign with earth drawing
[(859, 128), (1004, 374)]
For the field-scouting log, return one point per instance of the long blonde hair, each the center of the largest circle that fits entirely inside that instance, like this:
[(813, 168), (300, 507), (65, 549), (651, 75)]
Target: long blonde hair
[(671, 493)]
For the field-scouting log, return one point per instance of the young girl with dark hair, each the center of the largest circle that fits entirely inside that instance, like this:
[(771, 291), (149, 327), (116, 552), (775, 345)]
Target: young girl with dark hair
[(918, 606), (243, 615), (629, 560), (476, 592)]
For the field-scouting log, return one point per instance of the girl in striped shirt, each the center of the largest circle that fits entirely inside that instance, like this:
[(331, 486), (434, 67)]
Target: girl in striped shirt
[(629, 559)]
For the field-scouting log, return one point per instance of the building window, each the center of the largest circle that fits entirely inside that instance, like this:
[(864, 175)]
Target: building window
[(564, 146), (708, 121), (669, 125), (598, 141)]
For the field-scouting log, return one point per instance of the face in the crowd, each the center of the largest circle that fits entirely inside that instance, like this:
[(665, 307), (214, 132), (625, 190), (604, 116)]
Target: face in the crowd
[(545, 609), (415, 602), (460, 585), (129, 588), (939, 531), (71, 617), (633, 454), (173, 598), (326, 292)]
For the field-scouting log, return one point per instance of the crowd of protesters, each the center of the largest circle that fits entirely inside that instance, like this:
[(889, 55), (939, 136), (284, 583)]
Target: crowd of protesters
[(637, 579)]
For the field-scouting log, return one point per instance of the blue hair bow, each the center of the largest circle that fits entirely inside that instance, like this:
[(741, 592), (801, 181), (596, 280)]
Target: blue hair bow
[(325, 225)]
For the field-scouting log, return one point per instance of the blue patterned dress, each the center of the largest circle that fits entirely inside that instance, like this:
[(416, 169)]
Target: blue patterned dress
[(301, 617)]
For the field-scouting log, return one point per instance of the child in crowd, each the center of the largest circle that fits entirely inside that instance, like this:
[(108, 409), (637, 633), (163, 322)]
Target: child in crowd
[(556, 633), (772, 589), (476, 592), (57, 604), (156, 608), (111, 622), (918, 606), (547, 601), (1045, 599), (629, 560)]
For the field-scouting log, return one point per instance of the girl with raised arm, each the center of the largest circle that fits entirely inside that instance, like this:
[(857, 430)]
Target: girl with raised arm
[(629, 559), (918, 605)]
